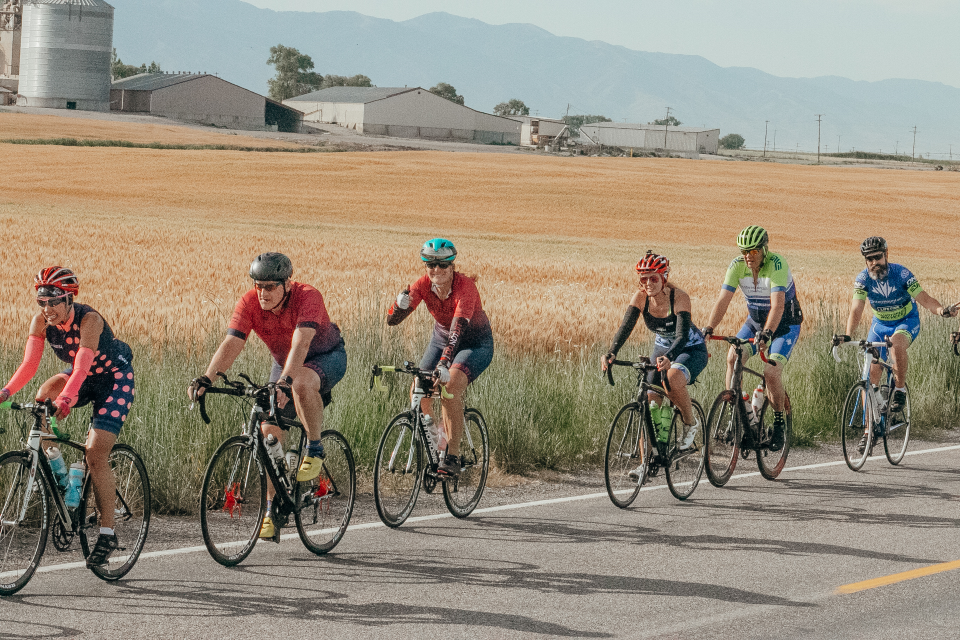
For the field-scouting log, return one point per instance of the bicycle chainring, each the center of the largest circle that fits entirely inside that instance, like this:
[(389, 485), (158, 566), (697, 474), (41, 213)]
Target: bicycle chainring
[(62, 539), (429, 482)]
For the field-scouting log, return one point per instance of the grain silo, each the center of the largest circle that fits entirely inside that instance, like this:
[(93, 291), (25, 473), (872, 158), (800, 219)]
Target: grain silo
[(65, 54)]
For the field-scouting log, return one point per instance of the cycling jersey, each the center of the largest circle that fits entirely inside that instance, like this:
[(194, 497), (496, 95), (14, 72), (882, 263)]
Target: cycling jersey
[(891, 297), (774, 276), (111, 356), (463, 302), (666, 328)]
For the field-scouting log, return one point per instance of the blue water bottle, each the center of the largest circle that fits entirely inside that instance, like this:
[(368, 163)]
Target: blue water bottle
[(57, 465), (74, 484)]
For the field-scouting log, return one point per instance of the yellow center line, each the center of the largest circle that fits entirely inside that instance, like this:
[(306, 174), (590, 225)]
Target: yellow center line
[(898, 577)]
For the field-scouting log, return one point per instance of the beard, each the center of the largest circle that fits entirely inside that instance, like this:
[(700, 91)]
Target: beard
[(878, 272)]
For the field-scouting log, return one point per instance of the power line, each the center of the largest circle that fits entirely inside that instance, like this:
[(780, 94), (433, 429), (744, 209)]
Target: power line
[(819, 117), (914, 155), (766, 127)]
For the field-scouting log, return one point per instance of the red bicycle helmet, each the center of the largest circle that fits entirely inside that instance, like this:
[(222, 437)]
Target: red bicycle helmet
[(653, 263), (58, 277)]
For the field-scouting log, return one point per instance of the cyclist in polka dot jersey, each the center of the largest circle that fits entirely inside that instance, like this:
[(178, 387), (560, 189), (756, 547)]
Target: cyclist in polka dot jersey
[(100, 373)]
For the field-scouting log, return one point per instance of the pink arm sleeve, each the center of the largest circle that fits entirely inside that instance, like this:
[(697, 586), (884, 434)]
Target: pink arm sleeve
[(81, 367), (28, 369)]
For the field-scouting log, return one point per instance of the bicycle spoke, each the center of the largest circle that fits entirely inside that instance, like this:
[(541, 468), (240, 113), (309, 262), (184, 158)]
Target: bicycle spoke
[(325, 504), (24, 521)]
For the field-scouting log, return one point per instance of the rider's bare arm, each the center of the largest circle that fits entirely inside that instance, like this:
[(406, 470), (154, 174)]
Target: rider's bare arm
[(856, 312), (225, 356), (778, 300), (302, 337), (931, 304), (720, 308)]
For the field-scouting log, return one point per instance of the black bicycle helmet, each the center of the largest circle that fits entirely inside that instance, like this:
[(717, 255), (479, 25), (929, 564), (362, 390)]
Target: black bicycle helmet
[(271, 266), (873, 244)]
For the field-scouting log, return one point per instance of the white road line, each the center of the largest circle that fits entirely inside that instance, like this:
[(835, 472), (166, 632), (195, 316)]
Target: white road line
[(505, 507)]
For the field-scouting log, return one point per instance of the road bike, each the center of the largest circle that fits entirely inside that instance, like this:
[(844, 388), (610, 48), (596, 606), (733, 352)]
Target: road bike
[(633, 445), (735, 426), (233, 498), (866, 410), (408, 455), (28, 488)]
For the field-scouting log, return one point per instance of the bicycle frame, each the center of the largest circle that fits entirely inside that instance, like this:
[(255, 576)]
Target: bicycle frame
[(871, 356), (736, 381)]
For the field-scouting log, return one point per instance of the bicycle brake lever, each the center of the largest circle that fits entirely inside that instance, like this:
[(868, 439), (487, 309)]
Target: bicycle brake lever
[(610, 375)]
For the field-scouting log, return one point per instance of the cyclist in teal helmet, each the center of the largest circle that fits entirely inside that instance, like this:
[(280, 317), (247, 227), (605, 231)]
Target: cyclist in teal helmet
[(765, 279), (461, 347)]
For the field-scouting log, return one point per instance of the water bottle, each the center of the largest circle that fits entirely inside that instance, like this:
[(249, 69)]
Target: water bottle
[(757, 402), (275, 453), (751, 414), (57, 465), (441, 436), (884, 392), (74, 485), (431, 430), (293, 457)]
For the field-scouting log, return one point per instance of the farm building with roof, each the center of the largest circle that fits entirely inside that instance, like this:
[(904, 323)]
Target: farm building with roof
[(404, 113), (202, 98), (691, 140)]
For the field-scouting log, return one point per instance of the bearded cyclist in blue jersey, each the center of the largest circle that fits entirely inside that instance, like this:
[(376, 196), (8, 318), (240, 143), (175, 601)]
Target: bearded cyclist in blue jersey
[(892, 291), (775, 315)]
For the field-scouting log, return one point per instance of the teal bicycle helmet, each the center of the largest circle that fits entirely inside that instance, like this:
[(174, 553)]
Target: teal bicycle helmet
[(438, 250)]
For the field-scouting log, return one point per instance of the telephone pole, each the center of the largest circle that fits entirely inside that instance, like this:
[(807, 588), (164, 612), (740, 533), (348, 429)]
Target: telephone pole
[(774, 140), (766, 127), (838, 144), (666, 124), (819, 117), (914, 154)]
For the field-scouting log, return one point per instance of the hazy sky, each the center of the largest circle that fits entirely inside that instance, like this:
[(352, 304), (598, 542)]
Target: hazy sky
[(858, 39)]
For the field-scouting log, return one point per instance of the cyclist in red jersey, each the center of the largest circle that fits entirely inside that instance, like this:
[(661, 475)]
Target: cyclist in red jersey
[(308, 353), (461, 347)]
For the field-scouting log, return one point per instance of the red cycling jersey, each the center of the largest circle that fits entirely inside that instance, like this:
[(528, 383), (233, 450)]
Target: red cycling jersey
[(463, 302), (303, 308)]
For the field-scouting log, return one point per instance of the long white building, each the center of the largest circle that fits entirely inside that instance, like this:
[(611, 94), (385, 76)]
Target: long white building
[(652, 136)]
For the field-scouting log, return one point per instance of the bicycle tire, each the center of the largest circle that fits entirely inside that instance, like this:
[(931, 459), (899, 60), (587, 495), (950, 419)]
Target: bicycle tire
[(463, 494), (331, 496), (22, 542), (854, 420), (132, 512), (685, 467), (628, 448), (895, 446), (398, 471), (723, 436), (771, 463), (233, 501)]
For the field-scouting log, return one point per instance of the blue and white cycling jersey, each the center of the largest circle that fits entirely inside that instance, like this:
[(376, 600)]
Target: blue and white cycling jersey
[(891, 297)]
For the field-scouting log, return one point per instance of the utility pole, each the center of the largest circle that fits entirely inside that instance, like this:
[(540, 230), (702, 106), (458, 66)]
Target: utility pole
[(666, 125), (838, 144), (914, 142), (896, 148), (766, 127), (951, 153), (774, 140), (819, 117)]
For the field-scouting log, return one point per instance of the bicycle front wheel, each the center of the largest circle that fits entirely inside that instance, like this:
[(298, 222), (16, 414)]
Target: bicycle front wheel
[(462, 495), (896, 436), (233, 501), (398, 471), (326, 502), (771, 463), (854, 422), (24, 521), (686, 465), (722, 439), (131, 513), (628, 449)]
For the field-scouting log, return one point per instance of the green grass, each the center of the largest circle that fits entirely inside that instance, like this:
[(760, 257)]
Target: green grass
[(76, 142), (545, 411)]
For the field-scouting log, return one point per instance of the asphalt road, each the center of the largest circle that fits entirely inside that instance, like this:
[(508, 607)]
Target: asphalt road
[(756, 559)]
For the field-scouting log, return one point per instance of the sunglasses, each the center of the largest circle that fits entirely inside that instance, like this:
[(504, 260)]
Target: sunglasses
[(650, 278), (269, 287), (876, 257), (754, 253), (439, 265), (51, 302)]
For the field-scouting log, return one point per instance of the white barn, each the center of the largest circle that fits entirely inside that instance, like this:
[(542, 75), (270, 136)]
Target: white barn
[(652, 136), (404, 113)]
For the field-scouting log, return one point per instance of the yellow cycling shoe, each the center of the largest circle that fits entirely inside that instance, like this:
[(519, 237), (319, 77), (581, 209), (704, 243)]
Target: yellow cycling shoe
[(267, 529), (309, 469)]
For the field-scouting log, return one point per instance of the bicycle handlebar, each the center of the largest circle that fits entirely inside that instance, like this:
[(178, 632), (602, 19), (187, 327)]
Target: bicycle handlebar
[(643, 363), (46, 407), (955, 339), (237, 389), (425, 377), (839, 341), (739, 342)]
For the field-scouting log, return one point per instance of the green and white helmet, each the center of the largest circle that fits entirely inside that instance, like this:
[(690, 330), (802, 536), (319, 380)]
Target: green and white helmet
[(753, 237), (438, 250)]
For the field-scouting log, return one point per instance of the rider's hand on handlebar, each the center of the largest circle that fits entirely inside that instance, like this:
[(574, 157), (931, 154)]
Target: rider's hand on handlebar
[(284, 391), (840, 339), (947, 312), (441, 374), (197, 387), (663, 363), (707, 332), (606, 361), (764, 336), (62, 406), (4, 395)]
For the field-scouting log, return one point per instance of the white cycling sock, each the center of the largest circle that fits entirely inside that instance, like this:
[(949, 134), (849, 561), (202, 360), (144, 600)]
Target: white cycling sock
[(904, 389), (106, 531)]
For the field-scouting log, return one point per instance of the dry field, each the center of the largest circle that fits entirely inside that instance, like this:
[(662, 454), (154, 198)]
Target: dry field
[(162, 239)]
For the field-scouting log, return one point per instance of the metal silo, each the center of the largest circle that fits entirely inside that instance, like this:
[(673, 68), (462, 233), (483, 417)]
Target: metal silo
[(65, 54)]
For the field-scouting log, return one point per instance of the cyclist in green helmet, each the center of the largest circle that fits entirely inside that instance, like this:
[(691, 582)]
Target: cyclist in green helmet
[(765, 279)]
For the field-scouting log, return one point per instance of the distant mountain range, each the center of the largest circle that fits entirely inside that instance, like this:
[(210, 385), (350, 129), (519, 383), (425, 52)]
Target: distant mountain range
[(489, 64)]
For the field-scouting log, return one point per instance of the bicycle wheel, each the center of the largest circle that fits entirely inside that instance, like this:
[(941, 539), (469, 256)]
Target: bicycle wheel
[(686, 466), (628, 448), (24, 521), (896, 436), (398, 471), (769, 462), (131, 513), (326, 502), (853, 424), (463, 494), (722, 439), (233, 501)]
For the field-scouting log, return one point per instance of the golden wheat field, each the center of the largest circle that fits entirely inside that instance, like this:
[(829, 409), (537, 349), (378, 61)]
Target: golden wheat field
[(162, 239)]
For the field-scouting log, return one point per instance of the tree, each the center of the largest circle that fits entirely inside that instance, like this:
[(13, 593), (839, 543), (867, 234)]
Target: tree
[(669, 121), (343, 81), (119, 70), (295, 75), (575, 122), (512, 108), (732, 141), (447, 91)]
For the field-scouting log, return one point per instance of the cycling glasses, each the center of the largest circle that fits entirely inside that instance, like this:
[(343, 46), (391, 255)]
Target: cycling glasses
[(438, 264), (51, 302), (652, 277), (873, 257), (755, 253), (269, 287)]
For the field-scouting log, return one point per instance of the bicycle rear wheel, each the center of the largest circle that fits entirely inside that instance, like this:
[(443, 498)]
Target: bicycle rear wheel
[(771, 463), (854, 423), (398, 471), (722, 439), (326, 502), (686, 466), (896, 436), (233, 501), (24, 521), (462, 495), (131, 513), (628, 448)]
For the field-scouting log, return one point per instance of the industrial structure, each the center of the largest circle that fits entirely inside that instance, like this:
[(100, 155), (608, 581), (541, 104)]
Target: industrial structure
[(202, 98), (65, 54), (652, 137), (11, 25), (404, 113), (537, 132)]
